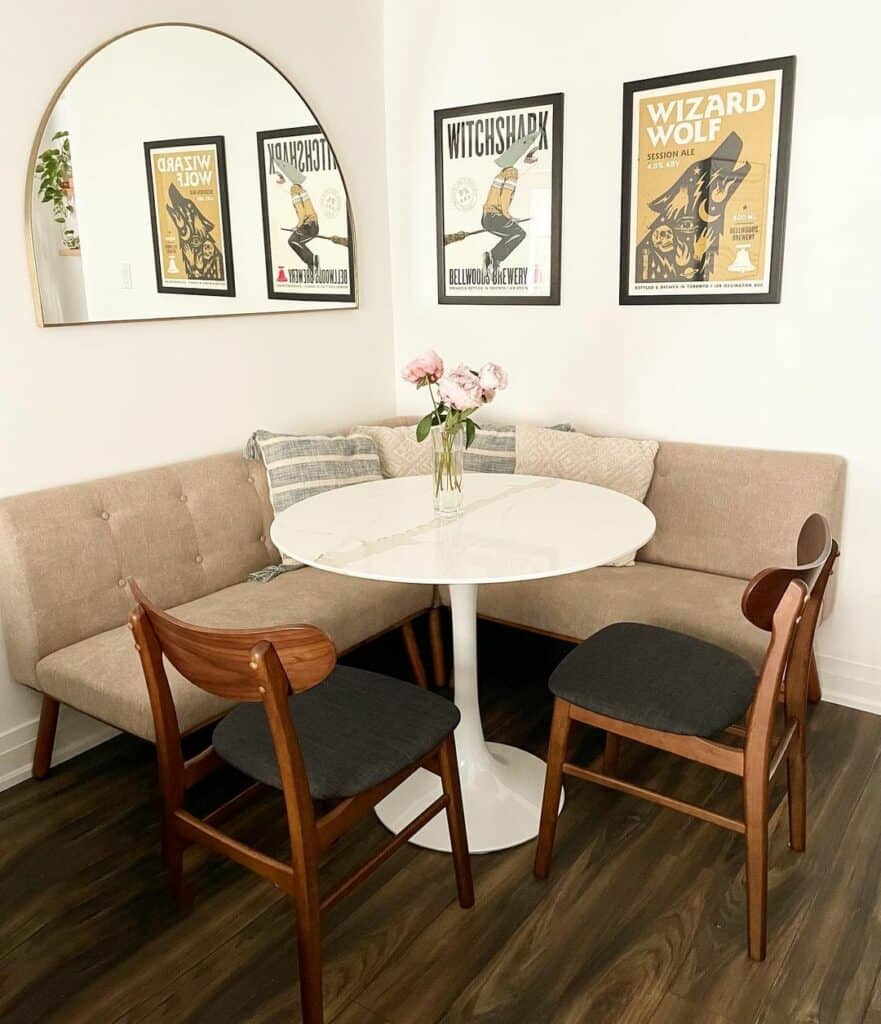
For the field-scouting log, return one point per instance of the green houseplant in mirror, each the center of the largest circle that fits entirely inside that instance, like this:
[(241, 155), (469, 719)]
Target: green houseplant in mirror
[(54, 184), (460, 393)]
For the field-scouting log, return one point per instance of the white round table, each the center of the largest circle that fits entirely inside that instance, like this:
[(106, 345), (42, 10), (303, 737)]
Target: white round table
[(512, 528)]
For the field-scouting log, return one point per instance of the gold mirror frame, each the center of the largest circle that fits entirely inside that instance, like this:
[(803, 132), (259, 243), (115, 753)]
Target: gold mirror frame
[(32, 163)]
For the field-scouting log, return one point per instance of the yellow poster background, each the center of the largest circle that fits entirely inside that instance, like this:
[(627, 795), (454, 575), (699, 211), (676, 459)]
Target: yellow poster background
[(659, 165), (193, 171)]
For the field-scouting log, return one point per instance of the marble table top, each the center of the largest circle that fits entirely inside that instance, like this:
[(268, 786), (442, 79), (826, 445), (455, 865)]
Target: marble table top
[(512, 528)]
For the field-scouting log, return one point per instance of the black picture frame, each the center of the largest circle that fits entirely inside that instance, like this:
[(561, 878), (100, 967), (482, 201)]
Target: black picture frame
[(223, 197), (787, 66), (271, 292), (554, 100)]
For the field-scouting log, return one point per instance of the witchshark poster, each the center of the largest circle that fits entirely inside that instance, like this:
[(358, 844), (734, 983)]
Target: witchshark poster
[(704, 177), (307, 235), (499, 170)]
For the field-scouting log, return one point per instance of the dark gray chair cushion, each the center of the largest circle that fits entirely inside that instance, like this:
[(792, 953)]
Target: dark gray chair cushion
[(658, 678), (356, 729)]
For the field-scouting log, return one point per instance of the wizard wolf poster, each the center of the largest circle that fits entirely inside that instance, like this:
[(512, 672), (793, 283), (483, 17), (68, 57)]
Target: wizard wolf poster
[(704, 178), (189, 215), (307, 233), (498, 178)]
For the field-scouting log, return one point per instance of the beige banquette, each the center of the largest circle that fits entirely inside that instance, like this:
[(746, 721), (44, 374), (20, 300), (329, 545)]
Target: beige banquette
[(191, 533)]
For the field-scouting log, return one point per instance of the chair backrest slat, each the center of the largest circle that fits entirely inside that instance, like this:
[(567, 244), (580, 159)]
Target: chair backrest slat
[(219, 660), (816, 550)]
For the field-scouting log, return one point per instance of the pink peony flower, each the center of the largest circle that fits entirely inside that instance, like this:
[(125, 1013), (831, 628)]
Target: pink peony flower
[(461, 389), (429, 365), (492, 378)]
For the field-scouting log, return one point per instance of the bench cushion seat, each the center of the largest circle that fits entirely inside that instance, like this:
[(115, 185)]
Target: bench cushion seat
[(355, 730), (578, 605), (102, 675), (657, 678)]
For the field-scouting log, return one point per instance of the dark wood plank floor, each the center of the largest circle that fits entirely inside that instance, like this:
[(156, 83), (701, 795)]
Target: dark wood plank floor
[(641, 921)]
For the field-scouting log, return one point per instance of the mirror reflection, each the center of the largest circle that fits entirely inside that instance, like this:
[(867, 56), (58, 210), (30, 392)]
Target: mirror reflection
[(179, 174)]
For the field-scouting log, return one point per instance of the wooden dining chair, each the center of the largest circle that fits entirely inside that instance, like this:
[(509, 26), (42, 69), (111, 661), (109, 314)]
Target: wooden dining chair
[(816, 552), (323, 733), (675, 693)]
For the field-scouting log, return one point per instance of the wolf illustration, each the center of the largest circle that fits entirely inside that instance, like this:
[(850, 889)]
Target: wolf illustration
[(682, 242), (203, 260)]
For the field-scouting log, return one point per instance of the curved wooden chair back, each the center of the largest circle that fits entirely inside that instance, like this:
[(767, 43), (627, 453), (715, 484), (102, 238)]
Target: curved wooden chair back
[(221, 660), (240, 665), (816, 551)]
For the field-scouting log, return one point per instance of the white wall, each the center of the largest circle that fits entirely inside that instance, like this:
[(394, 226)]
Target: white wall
[(79, 402), (801, 375)]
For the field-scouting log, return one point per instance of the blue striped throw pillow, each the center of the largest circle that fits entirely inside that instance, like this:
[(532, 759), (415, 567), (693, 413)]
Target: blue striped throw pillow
[(298, 467)]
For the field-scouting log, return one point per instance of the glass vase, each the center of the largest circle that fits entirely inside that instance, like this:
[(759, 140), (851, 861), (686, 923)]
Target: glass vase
[(448, 469)]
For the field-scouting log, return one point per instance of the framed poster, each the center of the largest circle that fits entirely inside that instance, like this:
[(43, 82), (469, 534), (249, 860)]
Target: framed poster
[(704, 176), (499, 185), (307, 228), (189, 214)]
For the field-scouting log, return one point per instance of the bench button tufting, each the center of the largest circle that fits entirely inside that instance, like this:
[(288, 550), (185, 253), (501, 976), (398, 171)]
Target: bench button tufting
[(105, 516), (183, 497), (120, 583), (250, 479), (262, 538), (199, 559)]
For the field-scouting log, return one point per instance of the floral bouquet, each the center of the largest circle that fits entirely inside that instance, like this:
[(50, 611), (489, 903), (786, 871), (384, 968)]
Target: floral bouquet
[(460, 393)]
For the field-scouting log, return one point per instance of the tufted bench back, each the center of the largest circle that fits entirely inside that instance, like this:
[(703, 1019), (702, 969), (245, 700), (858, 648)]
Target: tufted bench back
[(184, 531)]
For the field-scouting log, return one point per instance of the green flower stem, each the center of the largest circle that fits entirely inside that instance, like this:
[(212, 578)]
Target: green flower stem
[(445, 468)]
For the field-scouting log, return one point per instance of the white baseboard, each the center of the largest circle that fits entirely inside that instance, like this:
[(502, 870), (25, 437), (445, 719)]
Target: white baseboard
[(76, 733), (850, 683)]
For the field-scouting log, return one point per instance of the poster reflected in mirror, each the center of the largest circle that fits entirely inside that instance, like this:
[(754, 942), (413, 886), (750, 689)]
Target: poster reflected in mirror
[(498, 181), (705, 168), (307, 231), (189, 213)]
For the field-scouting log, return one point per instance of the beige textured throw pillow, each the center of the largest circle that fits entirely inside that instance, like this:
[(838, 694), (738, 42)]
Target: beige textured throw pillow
[(619, 463), (400, 454)]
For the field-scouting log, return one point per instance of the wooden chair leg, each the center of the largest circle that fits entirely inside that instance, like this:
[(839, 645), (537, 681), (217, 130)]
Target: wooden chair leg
[(45, 737), (436, 638), (756, 835), (306, 901), (611, 754), (414, 656), (173, 853), (550, 804), (815, 693), (449, 769), (796, 770)]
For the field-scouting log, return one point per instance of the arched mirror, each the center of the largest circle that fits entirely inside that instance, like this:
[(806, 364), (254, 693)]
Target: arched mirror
[(178, 173)]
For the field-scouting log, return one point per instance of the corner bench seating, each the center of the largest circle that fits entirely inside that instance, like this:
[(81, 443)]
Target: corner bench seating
[(191, 532), (722, 514)]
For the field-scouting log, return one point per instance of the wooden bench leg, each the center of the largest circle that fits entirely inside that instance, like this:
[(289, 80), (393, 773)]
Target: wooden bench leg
[(436, 637), (412, 646), (45, 737)]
